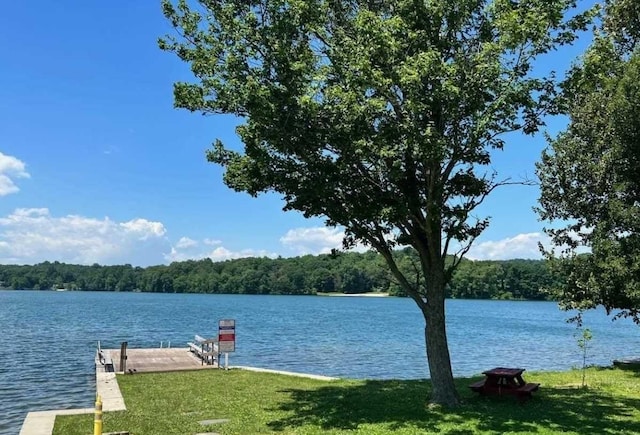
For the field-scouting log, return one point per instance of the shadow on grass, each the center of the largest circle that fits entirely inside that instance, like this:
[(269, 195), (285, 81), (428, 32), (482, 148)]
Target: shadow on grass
[(629, 368), (402, 404)]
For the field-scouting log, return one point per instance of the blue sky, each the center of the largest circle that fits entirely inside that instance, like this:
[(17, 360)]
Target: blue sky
[(97, 166)]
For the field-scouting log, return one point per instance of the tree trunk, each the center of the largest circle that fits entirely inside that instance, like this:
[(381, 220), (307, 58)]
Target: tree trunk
[(444, 390), (431, 302)]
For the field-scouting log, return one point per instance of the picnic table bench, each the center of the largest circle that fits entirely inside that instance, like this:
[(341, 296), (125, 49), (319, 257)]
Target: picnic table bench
[(502, 381), (205, 348)]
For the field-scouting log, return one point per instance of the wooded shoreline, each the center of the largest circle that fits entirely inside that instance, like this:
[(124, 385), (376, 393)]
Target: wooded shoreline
[(344, 273)]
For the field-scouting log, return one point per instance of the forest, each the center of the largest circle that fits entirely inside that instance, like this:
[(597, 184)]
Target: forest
[(344, 272)]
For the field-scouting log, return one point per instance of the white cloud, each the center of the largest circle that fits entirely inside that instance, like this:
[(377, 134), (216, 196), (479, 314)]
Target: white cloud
[(144, 228), (186, 242), (320, 240), (221, 254), (33, 235), (29, 236), (519, 246), (176, 254), (315, 240), (188, 249), (10, 168)]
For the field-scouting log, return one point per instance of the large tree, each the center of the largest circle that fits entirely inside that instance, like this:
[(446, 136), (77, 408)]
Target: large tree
[(590, 175), (379, 115)]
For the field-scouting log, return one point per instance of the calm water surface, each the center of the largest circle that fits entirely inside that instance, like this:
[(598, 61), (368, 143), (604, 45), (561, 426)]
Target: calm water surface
[(47, 339)]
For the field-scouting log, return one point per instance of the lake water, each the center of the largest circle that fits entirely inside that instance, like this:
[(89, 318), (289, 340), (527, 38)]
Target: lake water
[(48, 339)]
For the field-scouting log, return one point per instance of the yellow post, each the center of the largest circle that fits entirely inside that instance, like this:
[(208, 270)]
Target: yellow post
[(97, 421)]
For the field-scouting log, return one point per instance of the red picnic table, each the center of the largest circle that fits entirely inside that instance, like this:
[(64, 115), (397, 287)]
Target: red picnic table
[(504, 380)]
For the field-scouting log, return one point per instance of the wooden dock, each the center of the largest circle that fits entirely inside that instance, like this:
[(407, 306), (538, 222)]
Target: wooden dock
[(159, 360)]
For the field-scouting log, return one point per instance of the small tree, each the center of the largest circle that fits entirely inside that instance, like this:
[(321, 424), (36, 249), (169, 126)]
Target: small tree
[(380, 115), (583, 337)]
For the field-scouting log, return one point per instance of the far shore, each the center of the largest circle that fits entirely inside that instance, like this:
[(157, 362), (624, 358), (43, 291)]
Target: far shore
[(365, 295)]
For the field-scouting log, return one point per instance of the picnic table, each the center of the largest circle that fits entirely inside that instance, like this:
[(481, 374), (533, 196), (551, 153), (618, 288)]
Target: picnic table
[(503, 380)]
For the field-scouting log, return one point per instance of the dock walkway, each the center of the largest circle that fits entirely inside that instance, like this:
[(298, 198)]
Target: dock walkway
[(138, 361), (159, 360)]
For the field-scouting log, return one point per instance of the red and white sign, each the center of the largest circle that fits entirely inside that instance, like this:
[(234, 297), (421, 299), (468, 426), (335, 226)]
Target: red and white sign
[(226, 336)]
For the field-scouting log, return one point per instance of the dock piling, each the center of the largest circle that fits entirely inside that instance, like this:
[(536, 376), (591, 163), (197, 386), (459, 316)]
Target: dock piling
[(123, 357)]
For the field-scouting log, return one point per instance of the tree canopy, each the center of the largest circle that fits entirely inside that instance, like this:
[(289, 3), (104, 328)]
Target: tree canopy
[(380, 116), (590, 175)]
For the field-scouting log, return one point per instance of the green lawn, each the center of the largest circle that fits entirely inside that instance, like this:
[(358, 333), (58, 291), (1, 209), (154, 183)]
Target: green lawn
[(256, 403)]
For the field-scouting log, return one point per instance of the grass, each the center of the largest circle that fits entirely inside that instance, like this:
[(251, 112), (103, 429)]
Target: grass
[(262, 403)]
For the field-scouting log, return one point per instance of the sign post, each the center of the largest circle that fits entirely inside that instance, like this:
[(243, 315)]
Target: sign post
[(226, 339)]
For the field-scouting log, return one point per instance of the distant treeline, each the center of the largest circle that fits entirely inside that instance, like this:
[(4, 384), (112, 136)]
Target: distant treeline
[(343, 273)]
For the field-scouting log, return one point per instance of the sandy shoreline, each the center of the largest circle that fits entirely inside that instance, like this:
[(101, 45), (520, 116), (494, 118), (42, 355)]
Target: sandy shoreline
[(365, 295)]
